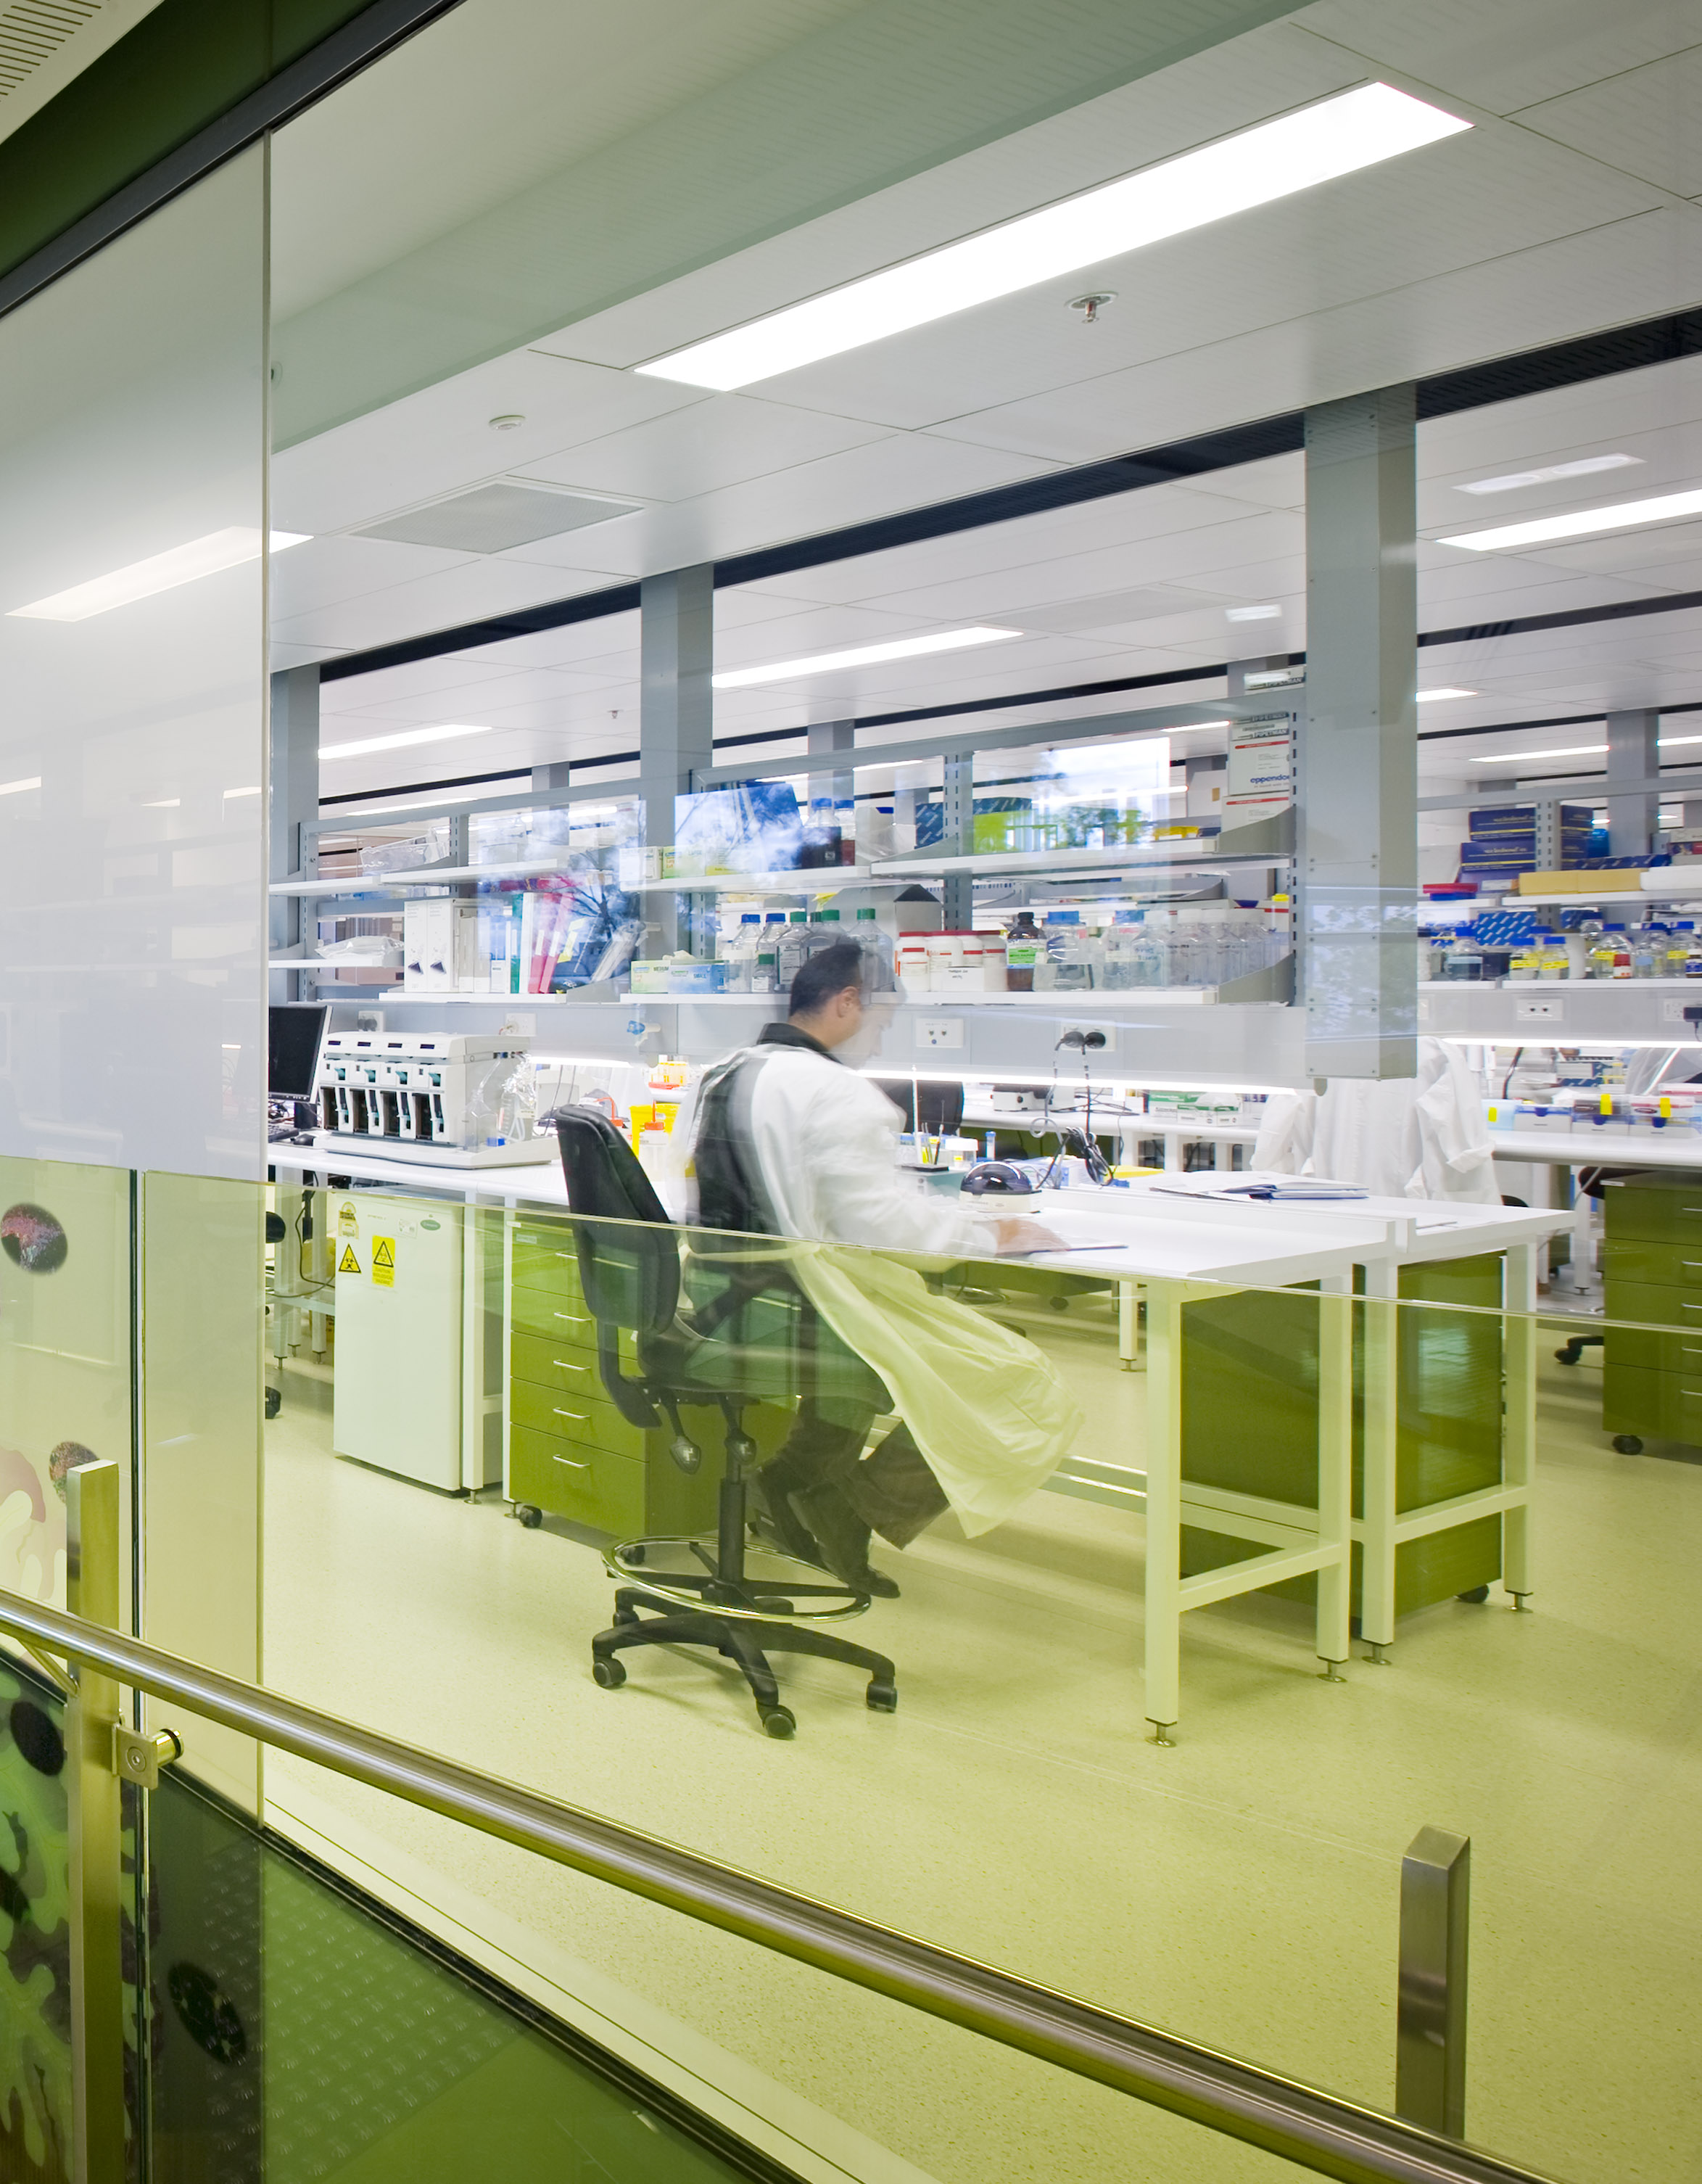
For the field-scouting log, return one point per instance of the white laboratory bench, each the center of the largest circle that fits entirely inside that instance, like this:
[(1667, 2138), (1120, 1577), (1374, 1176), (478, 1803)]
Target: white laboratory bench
[(1588, 1144), (1175, 1245)]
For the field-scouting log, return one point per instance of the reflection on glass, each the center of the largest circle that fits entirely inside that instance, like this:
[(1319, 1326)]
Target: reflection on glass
[(300, 2034), (35, 1920)]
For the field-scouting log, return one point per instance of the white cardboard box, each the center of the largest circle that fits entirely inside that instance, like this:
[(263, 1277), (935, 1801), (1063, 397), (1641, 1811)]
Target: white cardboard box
[(440, 948)]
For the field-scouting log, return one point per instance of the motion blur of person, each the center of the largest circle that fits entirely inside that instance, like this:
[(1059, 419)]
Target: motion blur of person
[(784, 1140)]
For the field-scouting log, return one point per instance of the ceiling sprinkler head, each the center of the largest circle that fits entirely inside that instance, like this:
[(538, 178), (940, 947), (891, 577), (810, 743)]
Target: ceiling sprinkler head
[(508, 421), (1092, 304)]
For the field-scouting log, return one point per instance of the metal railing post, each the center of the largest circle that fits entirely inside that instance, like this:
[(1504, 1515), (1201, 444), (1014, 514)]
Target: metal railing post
[(1430, 2032), (93, 1795)]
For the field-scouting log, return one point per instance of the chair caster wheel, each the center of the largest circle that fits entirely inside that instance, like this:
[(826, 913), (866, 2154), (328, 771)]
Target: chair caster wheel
[(530, 1517), (1479, 1593), (778, 1721), (275, 1401), (608, 1672), (1569, 1356), (1059, 1304), (1627, 1445), (624, 1617), (881, 1698)]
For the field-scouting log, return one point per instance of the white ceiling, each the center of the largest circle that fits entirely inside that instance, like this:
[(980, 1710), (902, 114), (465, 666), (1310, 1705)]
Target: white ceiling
[(1564, 208)]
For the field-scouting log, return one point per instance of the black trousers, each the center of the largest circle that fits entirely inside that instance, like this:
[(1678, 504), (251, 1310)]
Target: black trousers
[(891, 1489)]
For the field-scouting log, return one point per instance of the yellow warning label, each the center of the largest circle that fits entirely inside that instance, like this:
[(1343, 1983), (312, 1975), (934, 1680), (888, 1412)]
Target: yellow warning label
[(384, 1262), (348, 1264)]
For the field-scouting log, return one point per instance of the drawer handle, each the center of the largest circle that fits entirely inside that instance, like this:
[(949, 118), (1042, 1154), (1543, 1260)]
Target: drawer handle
[(567, 1365), (578, 1416), (573, 1318), (571, 1465)]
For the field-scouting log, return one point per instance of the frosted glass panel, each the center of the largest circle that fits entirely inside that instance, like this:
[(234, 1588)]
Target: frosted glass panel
[(132, 735)]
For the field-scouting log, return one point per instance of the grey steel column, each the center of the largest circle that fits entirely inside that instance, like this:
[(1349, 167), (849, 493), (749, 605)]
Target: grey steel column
[(95, 1816), (1429, 2024), (554, 776), (1357, 762), (957, 839), (1547, 834), (677, 617), (293, 795), (1633, 754)]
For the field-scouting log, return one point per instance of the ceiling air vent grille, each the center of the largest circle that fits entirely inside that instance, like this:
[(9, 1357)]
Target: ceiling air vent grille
[(490, 518), (31, 32)]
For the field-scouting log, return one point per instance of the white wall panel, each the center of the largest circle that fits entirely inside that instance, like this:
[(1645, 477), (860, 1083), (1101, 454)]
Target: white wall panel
[(132, 928)]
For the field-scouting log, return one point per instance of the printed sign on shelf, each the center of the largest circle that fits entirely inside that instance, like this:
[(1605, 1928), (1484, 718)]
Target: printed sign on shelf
[(1261, 767)]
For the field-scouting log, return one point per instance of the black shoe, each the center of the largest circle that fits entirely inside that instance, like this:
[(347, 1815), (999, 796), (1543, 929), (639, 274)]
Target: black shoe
[(844, 1540), (772, 1512)]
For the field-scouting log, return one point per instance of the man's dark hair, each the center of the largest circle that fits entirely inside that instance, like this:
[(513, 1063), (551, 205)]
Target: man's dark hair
[(829, 972)]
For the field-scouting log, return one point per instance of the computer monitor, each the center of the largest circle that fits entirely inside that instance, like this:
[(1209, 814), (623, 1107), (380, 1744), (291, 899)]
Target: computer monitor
[(294, 1035)]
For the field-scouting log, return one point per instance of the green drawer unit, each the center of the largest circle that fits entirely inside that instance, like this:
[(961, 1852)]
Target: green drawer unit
[(645, 1495), (1652, 1265), (1679, 1350), (1250, 1418), (583, 1416), (1648, 1263), (1662, 1207), (1666, 1405), (591, 1487), (555, 1315), (1655, 1303), (565, 1361), (546, 1258)]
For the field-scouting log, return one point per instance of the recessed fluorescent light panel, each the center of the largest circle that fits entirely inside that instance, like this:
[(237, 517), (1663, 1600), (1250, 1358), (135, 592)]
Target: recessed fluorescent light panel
[(861, 656), (1624, 515), (1585, 467), (1251, 613), (160, 572), (1445, 690), (16, 788), (398, 741), (1358, 129)]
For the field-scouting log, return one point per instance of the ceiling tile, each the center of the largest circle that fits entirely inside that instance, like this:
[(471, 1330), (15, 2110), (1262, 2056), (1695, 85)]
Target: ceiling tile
[(1508, 55)]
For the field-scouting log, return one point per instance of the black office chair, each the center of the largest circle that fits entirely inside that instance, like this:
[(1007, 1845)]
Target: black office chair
[(630, 1270)]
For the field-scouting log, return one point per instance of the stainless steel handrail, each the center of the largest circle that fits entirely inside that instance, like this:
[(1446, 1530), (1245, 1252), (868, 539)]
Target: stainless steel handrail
[(1319, 2131)]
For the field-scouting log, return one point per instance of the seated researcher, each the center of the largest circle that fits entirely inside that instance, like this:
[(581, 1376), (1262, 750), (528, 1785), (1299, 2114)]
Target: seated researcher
[(783, 1139)]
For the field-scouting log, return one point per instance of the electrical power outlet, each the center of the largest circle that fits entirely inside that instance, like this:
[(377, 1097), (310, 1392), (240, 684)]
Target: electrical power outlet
[(939, 1031), (1680, 1012), (1532, 1011)]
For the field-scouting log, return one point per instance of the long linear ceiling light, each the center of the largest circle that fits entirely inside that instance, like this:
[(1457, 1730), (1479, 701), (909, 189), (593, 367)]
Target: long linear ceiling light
[(1624, 515), (1257, 166), (159, 572), (861, 656), (399, 741), (1569, 750)]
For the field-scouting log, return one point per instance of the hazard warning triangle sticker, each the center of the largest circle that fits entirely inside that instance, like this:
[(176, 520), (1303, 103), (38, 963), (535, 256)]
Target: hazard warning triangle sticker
[(348, 1264)]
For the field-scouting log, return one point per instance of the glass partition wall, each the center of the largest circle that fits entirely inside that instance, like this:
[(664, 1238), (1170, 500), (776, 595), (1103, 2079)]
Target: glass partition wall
[(1148, 1608)]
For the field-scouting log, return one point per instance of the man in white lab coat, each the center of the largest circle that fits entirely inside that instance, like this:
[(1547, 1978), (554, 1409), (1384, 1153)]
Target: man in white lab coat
[(785, 1140)]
